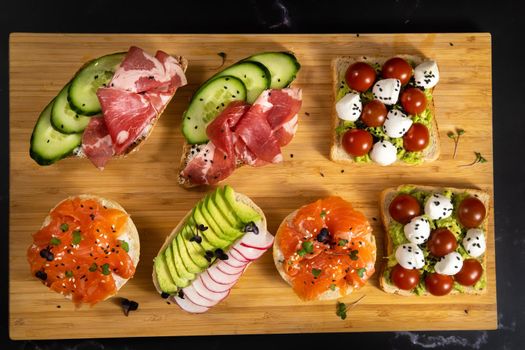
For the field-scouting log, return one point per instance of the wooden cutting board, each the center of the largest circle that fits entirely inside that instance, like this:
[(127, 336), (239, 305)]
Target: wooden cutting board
[(146, 185)]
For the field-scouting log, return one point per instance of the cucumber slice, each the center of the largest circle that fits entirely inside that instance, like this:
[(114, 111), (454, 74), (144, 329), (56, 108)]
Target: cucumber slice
[(207, 103), (283, 67), (82, 92), (254, 75), (49, 145), (63, 118)]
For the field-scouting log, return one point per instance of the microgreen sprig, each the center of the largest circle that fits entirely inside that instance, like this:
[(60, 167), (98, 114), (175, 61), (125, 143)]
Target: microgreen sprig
[(455, 136)]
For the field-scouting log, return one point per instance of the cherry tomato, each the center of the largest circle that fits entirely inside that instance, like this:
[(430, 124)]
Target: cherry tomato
[(470, 273), (403, 278), (471, 212), (441, 242), (397, 68), (439, 285), (360, 76), (413, 101), (374, 113), (403, 208), (417, 138), (357, 142)]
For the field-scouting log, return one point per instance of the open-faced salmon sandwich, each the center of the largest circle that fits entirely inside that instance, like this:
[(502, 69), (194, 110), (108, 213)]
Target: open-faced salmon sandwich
[(325, 249), (86, 249)]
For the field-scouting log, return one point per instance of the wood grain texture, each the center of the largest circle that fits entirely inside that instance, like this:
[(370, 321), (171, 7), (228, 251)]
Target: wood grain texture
[(145, 183)]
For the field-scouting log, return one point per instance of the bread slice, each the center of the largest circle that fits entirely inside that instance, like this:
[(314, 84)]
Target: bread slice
[(278, 258), (240, 198), (183, 62), (130, 235), (339, 67), (386, 198)]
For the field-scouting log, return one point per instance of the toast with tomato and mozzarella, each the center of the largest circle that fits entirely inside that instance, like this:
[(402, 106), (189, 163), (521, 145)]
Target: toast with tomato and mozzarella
[(243, 115), (209, 250), (109, 108), (435, 240), (384, 110)]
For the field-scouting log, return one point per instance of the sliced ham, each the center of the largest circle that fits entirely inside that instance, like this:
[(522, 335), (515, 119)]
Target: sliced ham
[(96, 142)]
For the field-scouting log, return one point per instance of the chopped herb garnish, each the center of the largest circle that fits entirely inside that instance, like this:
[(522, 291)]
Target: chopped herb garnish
[(307, 247), (55, 241), (105, 269), (455, 136), (361, 272), (342, 242), (323, 214), (332, 286), (479, 159), (69, 273), (93, 267), (77, 237), (316, 272), (64, 227), (124, 245), (353, 254)]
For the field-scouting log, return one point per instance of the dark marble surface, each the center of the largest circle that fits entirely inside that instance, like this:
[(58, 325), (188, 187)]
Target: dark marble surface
[(502, 18)]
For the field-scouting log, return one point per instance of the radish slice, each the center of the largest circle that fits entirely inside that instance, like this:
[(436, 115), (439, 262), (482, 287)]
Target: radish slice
[(262, 240), (230, 270), (234, 262), (208, 294), (237, 256), (221, 277), (249, 253), (213, 285), (189, 306), (260, 248), (192, 295)]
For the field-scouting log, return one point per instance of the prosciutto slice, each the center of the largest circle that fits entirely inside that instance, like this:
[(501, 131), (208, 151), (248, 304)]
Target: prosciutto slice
[(96, 142), (244, 134)]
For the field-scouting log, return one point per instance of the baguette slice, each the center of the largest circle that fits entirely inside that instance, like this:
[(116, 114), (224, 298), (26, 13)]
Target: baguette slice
[(339, 67), (386, 198), (131, 235), (278, 258)]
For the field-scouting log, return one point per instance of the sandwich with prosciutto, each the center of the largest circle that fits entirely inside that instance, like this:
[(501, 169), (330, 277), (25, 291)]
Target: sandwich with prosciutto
[(108, 108), (325, 250), (209, 250), (242, 115), (86, 249)]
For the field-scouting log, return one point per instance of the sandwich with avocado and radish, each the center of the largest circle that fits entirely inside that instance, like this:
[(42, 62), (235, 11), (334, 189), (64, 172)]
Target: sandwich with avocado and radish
[(108, 108), (206, 254), (243, 115)]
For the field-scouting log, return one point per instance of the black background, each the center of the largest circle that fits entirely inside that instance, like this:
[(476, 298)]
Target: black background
[(501, 18)]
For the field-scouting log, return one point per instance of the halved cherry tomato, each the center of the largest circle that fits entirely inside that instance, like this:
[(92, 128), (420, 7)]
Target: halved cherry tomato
[(470, 273), (404, 207), (439, 285), (471, 212), (357, 142), (374, 113), (397, 68), (403, 278), (360, 76), (441, 242), (417, 138), (413, 101)]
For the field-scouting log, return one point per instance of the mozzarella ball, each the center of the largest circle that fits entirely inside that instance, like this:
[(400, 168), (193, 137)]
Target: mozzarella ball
[(449, 264), (474, 242), (396, 123), (383, 153), (438, 207), (387, 90), (417, 230), (410, 256), (426, 74), (349, 107)]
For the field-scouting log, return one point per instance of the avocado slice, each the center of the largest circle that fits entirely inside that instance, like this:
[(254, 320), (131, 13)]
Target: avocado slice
[(243, 211), (225, 209), (190, 266), (175, 276), (195, 250), (166, 283), (217, 221), (179, 264), (192, 231), (215, 240)]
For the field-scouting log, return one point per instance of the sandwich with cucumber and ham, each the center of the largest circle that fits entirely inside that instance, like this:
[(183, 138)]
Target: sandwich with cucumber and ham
[(242, 115), (108, 108), (208, 251)]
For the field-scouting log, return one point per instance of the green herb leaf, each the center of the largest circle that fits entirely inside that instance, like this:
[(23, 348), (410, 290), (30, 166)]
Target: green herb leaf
[(480, 158), (323, 214), (316, 272), (77, 237), (105, 269), (64, 227), (342, 242), (124, 245), (332, 286), (460, 132), (301, 252), (361, 272), (353, 255), (93, 267), (69, 273), (55, 241), (341, 310), (308, 247), (451, 135)]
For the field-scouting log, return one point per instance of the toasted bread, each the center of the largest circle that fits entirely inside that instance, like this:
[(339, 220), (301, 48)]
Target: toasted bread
[(386, 198), (339, 67)]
